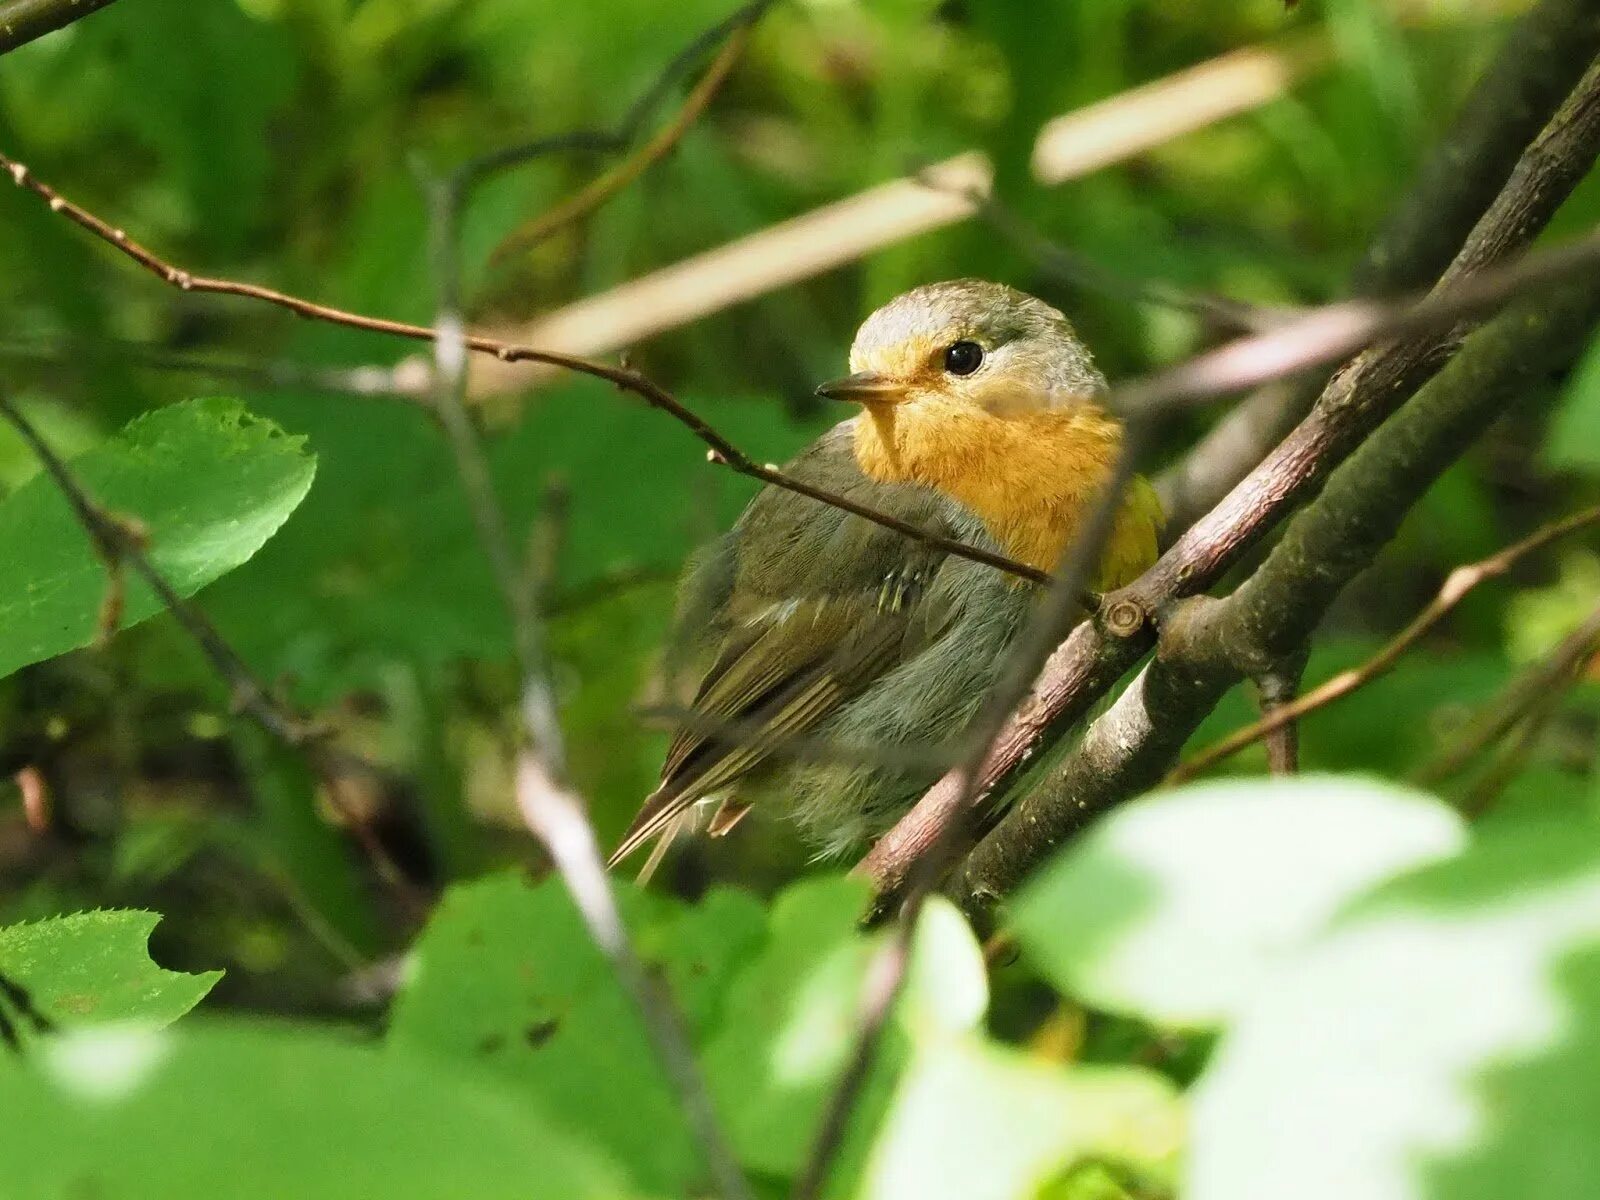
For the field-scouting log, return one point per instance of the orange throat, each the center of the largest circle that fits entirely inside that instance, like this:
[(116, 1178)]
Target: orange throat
[(1027, 476)]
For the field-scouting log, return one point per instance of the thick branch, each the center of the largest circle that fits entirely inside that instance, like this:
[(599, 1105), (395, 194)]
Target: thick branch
[(21, 21), (1541, 60), (1209, 645)]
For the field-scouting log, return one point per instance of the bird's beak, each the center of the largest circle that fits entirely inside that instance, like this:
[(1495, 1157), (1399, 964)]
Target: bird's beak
[(864, 387)]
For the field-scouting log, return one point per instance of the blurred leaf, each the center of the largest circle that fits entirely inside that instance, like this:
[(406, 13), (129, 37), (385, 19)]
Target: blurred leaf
[(92, 968), (1574, 438), (273, 1112), (506, 978), (1438, 1041), (208, 80), (977, 1122), (1178, 906), (209, 483)]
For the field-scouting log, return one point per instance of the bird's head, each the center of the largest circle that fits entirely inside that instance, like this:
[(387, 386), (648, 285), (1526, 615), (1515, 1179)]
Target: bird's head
[(975, 344)]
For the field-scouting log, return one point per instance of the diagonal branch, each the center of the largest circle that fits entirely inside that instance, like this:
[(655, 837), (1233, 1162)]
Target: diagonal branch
[(1541, 60)]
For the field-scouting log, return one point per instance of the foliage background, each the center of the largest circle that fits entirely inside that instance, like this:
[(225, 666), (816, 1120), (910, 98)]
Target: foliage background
[(283, 141)]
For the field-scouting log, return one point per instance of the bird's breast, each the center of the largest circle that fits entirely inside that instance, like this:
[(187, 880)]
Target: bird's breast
[(1027, 477)]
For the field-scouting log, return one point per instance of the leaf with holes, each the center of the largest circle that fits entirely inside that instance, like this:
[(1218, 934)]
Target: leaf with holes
[(93, 968)]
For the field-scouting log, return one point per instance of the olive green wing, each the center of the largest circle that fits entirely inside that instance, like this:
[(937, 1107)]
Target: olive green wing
[(800, 607)]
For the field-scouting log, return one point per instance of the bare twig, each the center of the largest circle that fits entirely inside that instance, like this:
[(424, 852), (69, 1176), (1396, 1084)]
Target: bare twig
[(21, 21), (591, 197), (1556, 676), (720, 450), (1456, 586), (620, 136), (556, 817), (1336, 331), (1520, 697)]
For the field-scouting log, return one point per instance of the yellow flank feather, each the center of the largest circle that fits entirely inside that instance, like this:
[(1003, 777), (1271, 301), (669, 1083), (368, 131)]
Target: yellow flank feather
[(1028, 475)]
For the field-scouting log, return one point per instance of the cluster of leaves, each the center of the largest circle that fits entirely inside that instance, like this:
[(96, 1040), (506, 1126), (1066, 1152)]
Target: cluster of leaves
[(1380, 1005)]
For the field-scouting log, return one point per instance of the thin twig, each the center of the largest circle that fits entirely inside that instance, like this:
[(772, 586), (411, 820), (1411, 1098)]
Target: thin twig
[(598, 191), (1334, 332), (720, 450), (556, 817), (1514, 702), (1456, 586), (620, 136)]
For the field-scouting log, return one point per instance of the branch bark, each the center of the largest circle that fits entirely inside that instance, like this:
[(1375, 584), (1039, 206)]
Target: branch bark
[(1539, 63), (22, 21)]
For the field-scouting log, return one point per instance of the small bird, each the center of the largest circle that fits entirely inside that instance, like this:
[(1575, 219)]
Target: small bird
[(981, 420)]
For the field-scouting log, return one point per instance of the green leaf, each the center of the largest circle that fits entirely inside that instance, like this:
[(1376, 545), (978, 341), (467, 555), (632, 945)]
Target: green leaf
[(273, 1112), (1440, 1040), (506, 978), (977, 1122), (209, 483), (1574, 438), (791, 1018), (1176, 907), (92, 968)]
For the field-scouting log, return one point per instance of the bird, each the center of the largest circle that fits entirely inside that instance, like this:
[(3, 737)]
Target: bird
[(981, 418)]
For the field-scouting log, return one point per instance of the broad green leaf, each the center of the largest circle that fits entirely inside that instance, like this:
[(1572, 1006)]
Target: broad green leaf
[(1438, 1042), (1176, 907), (209, 483), (790, 1020), (257, 1113), (973, 1121), (506, 979), (93, 968)]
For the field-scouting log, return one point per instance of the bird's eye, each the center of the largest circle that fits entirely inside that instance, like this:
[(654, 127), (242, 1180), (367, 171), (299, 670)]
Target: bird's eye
[(963, 358)]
